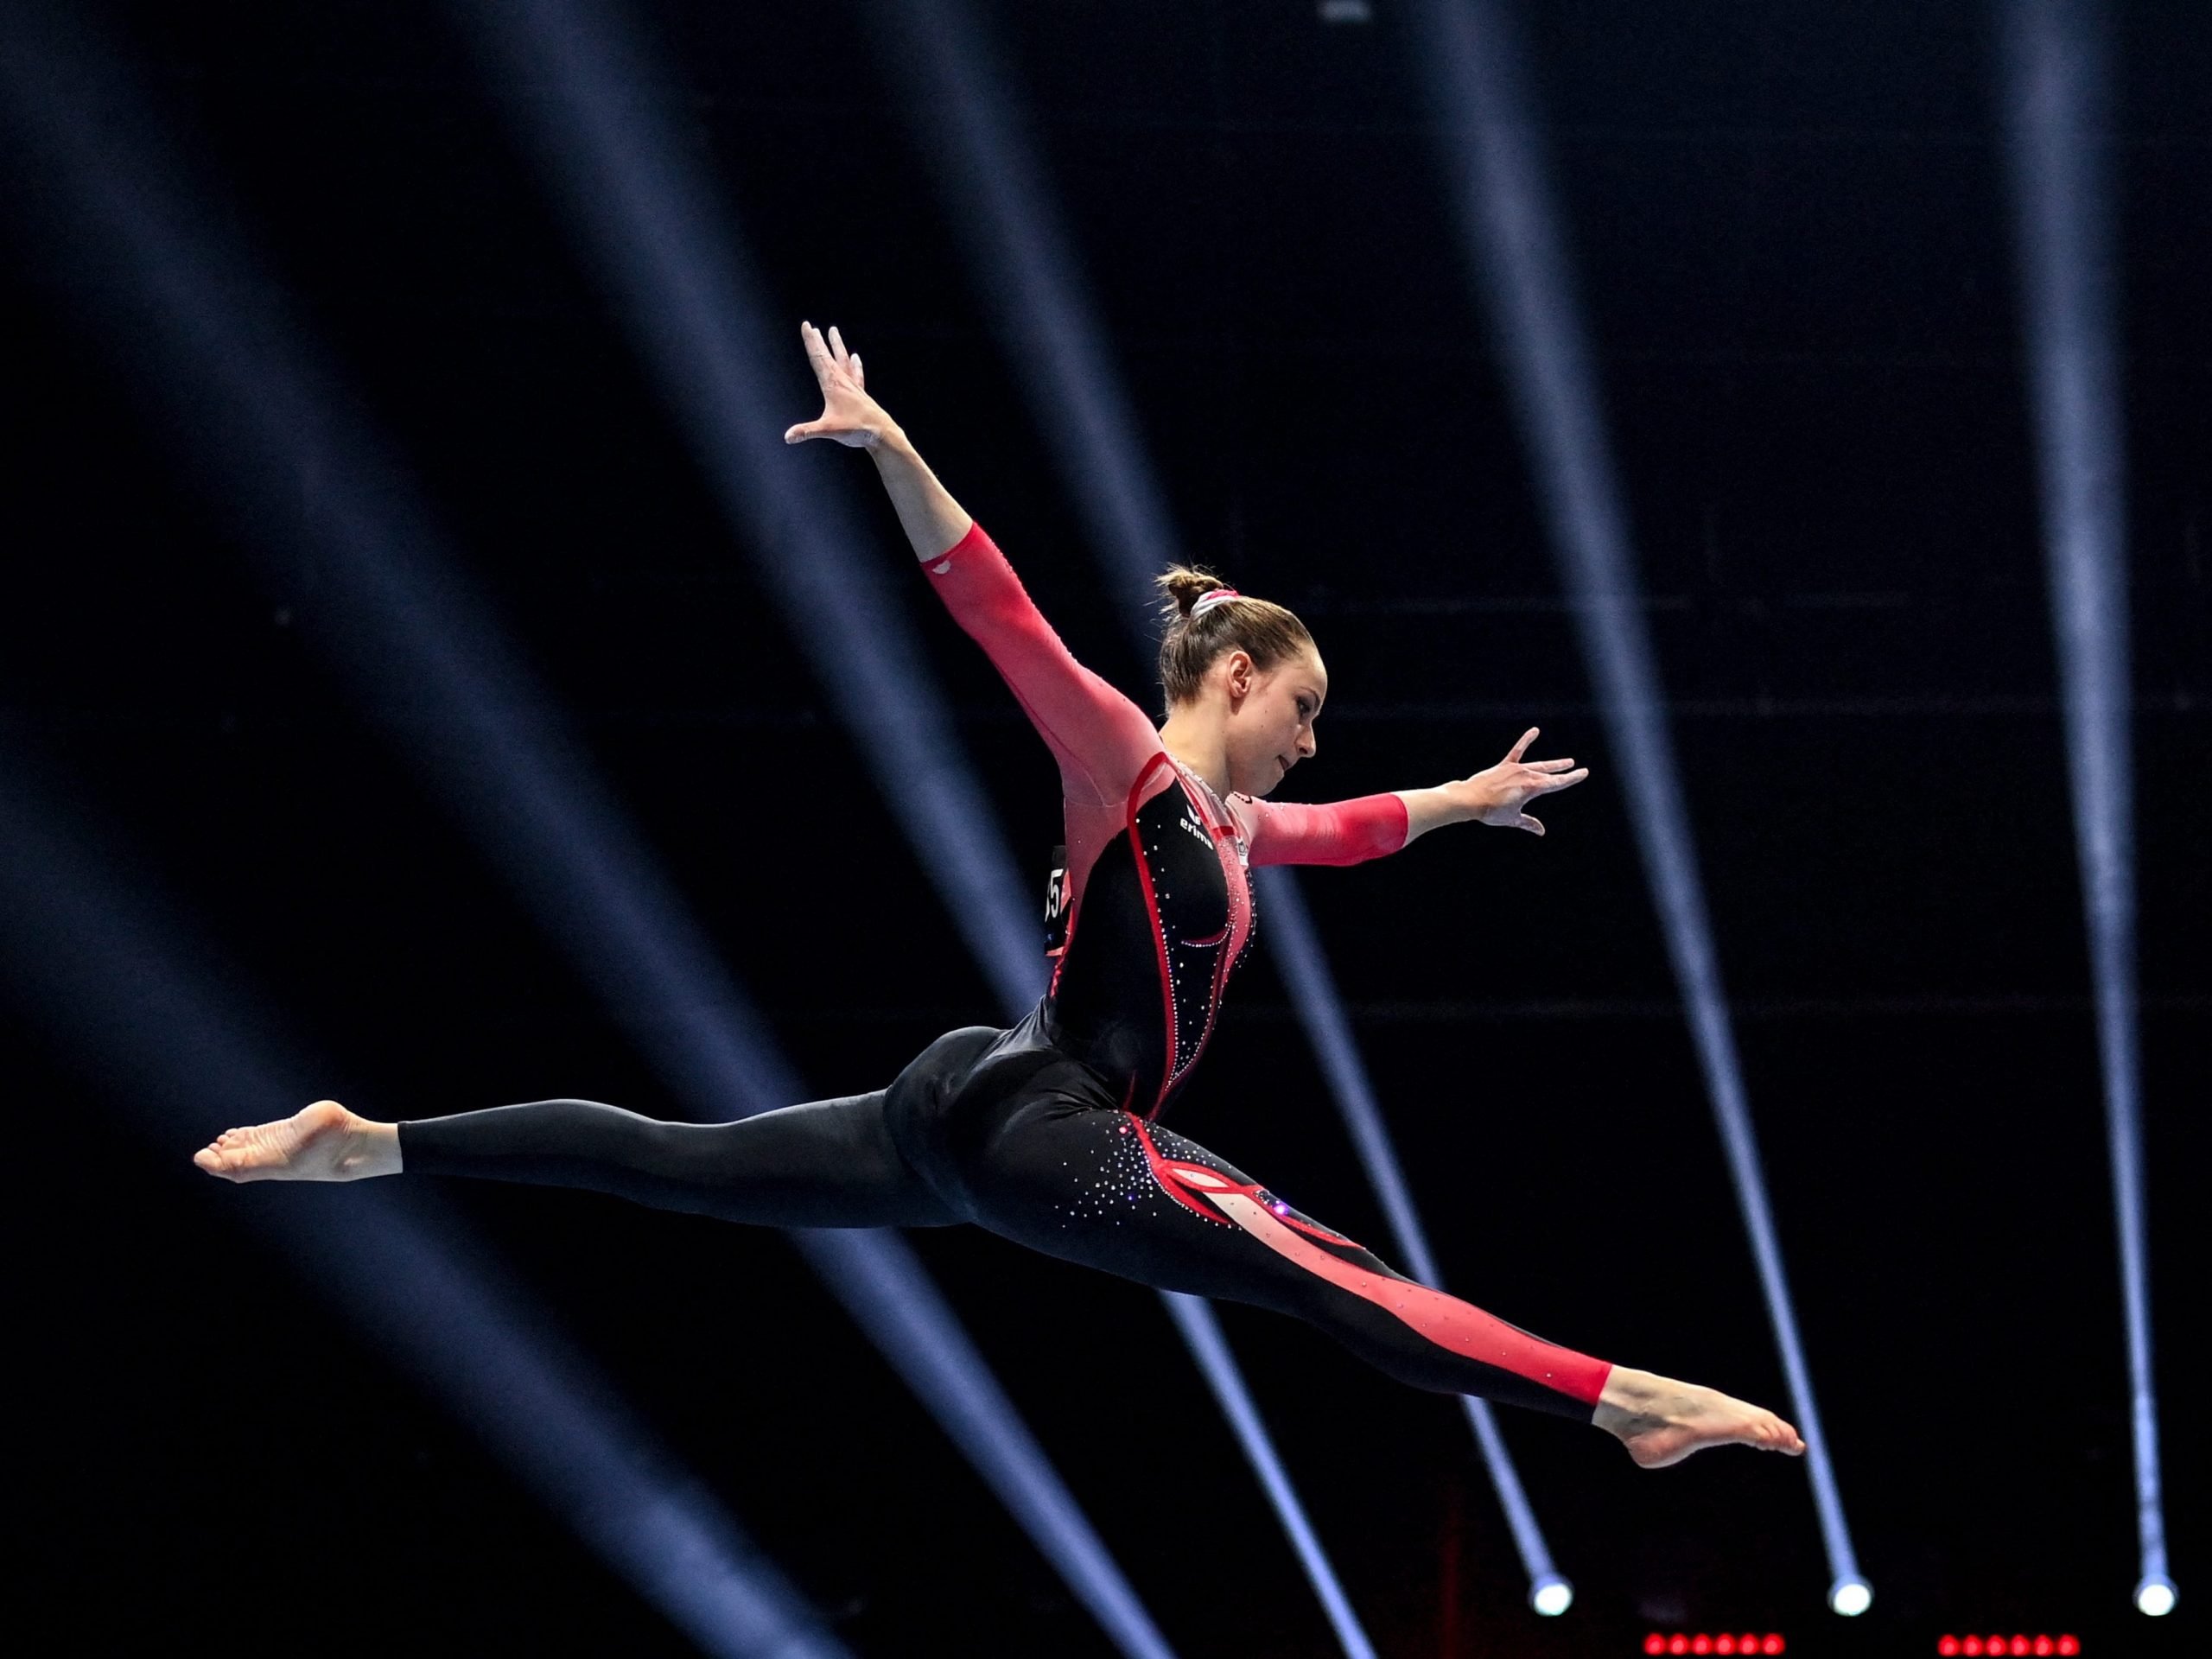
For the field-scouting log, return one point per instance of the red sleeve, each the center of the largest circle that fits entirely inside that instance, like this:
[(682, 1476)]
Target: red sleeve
[(1341, 832), (1100, 739)]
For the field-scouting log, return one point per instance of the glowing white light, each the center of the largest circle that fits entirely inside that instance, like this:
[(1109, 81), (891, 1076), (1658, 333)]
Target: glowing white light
[(1551, 1595), (2156, 1597), (1851, 1597)]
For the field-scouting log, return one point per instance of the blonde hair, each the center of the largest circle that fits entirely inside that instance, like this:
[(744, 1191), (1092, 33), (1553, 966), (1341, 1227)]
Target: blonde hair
[(1263, 629)]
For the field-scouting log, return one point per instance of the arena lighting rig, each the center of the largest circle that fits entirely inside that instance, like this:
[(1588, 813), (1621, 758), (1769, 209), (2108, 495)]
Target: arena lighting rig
[(490, 746), (2054, 99), (993, 192), (135, 1007), (1512, 239), (666, 242)]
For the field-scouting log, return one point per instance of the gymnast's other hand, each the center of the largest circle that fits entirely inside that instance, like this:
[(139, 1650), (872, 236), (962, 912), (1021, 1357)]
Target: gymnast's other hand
[(1493, 796), (848, 415)]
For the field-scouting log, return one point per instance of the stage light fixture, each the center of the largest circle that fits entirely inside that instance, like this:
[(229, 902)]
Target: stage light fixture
[(2156, 1597), (1512, 237), (1851, 1597), (1551, 1595)]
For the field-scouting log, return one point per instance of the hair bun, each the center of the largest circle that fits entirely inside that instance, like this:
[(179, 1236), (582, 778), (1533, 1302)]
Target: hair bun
[(1182, 586)]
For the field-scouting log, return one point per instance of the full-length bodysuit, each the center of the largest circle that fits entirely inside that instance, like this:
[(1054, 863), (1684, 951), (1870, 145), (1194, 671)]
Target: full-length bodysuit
[(1047, 1133)]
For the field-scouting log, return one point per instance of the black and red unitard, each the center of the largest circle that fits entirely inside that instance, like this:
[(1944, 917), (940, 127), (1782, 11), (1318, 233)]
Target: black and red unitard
[(1048, 1134)]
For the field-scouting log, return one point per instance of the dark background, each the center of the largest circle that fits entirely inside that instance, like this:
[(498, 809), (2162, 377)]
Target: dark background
[(1790, 230)]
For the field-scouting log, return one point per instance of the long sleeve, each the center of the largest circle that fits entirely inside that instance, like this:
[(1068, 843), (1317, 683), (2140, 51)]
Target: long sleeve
[(1100, 739), (1340, 832)]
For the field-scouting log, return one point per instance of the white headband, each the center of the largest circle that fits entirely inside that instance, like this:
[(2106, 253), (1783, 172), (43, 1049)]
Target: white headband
[(1215, 596)]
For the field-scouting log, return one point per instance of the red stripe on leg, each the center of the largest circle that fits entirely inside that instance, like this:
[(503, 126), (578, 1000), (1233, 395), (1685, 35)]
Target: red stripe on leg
[(1456, 1326)]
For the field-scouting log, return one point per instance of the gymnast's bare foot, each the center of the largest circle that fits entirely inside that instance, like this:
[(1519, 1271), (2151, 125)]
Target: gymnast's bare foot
[(1663, 1421), (325, 1142)]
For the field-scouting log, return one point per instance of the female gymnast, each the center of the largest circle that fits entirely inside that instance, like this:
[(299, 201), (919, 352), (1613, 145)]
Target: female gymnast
[(1049, 1133)]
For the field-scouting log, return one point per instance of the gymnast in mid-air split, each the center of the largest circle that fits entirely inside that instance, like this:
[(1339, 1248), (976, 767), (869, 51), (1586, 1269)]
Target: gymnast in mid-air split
[(1049, 1133)]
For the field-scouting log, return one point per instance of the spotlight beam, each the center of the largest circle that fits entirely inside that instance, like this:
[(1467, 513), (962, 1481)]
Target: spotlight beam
[(1002, 208), (135, 1006), (667, 242), (422, 654), (1509, 230), (1019, 252), (657, 230), (1320, 1008), (1194, 1318), (2055, 94)]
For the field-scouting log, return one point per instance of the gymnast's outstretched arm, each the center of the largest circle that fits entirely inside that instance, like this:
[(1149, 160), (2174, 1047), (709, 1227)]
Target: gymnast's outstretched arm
[(933, 521), (1102, 741)]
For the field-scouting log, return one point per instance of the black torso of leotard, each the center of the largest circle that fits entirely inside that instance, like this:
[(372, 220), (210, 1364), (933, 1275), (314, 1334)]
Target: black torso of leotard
[(1150, 951)]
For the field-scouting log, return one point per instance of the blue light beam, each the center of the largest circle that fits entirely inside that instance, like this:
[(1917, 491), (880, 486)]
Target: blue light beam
[(989, 178), (666, 241), (415, 647), (1194, 1318), (1509, 232), (2055, 94), (957, 99), (1313, 993), (136, 1007)]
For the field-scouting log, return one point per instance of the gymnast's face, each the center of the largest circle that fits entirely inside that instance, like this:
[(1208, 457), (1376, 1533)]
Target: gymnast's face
[(1271, 715)]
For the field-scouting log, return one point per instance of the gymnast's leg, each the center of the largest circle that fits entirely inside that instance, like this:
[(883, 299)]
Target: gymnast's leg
[(1106, 1189), (829, 1163)]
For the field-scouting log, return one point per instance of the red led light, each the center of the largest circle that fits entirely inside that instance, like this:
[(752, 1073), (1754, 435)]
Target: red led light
[(2021, 1646), (1948, 1646), (2044, 1644), (2068, 1645), (1656, 1642), (1971, 1647)]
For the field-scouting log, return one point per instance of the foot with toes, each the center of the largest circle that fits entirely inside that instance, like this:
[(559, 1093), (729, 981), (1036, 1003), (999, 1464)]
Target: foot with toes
[(1663, 1421), (324, 1142)]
